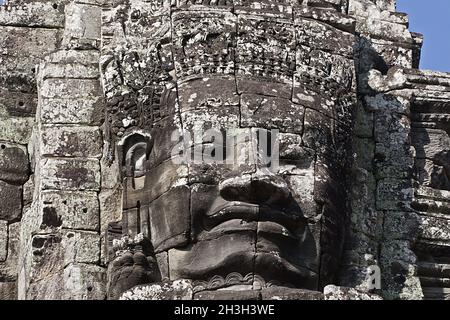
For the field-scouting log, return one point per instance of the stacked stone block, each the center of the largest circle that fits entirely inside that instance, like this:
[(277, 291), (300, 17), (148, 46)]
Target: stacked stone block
[(53, 225)]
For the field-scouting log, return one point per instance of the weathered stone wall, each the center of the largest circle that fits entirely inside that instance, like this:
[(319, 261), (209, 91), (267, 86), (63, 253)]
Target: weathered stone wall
[(132, 39), (60, 182), (430, 131), (402, 176), (60, 232)]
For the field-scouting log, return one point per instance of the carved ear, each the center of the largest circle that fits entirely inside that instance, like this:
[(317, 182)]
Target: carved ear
[(135, 153)]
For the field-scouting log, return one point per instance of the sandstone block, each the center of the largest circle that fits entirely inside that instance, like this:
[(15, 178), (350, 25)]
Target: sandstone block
[(70, 174)]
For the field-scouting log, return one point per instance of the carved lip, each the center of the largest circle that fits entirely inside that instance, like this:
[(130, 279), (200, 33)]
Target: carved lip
[(229, 217)]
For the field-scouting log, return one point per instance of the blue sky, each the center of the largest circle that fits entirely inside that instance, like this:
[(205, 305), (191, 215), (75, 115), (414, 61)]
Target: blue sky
[(432, 19)]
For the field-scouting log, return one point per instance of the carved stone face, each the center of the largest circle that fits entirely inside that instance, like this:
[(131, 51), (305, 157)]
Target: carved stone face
[(242, 74)]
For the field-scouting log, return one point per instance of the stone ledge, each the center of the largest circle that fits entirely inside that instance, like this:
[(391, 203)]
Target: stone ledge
[(70, 174), (71, 141), (342, 293)]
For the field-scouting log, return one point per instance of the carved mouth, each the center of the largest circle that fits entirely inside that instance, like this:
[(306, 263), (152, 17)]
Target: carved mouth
[(240, 216)]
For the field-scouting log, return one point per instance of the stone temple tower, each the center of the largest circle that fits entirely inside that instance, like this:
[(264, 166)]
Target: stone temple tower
[(100, 198)]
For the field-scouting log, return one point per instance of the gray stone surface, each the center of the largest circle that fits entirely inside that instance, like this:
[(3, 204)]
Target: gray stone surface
[(74, 210), (13, 164), (70, 174), (92, 91), (3, 240), (176, 290), (8, 291), (71, 142), (11, 199), (341, 293)]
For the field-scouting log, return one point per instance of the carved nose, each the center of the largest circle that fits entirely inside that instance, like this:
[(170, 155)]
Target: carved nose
[(256, 188)]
